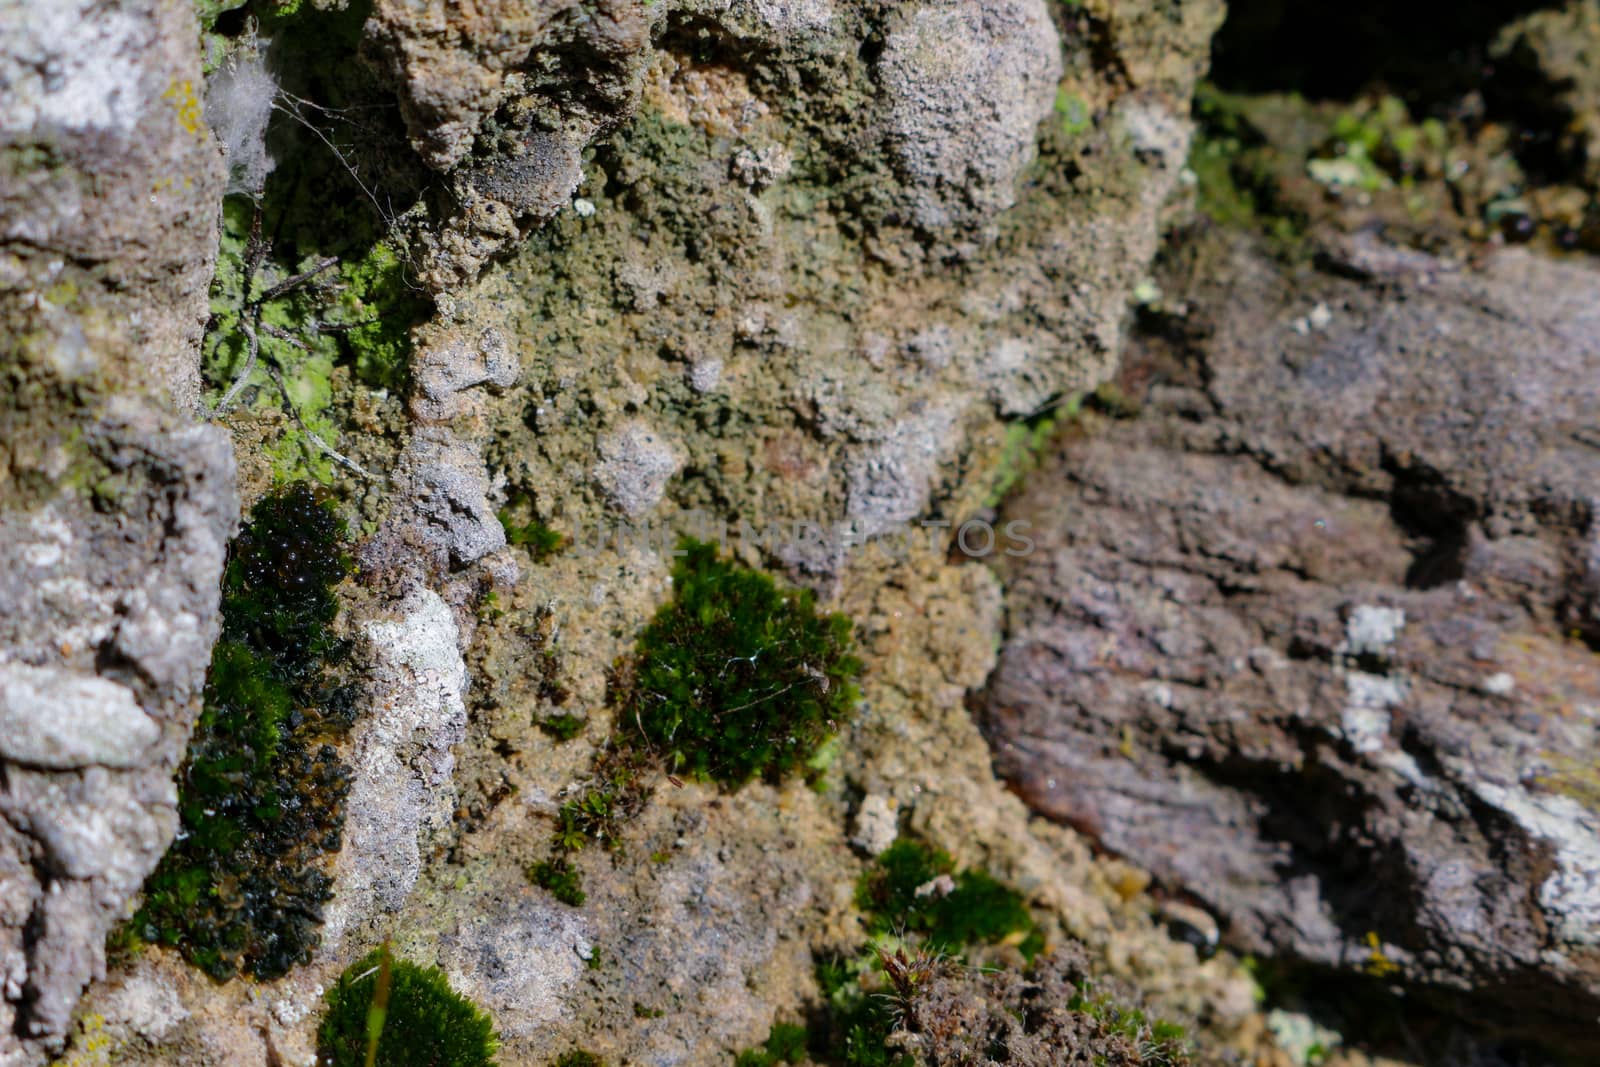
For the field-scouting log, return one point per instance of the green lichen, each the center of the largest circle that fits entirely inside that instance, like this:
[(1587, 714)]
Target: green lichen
[(306, 267), (736, 678), (301, 318), (1073, 111), (1571, 776), (415, 1020), (261, 790)]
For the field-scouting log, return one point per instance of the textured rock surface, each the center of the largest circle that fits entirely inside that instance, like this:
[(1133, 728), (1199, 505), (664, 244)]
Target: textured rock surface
[(114, 507), (401, 793), (1314, 636), (108, 617), (108, 202), (694, 258), (967, 85)]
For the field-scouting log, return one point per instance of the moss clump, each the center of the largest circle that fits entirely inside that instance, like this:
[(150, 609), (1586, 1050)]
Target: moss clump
[(1235, 167), (563, 727), (1374, 144), (534, 535), (785, 1044), (418, 1020), (561, 879), (578, 1057), (913, 937), (860, 1017), (261, 790), (278, 585), (737, 678), (903, 893), (1157, 1042), (594, 816)]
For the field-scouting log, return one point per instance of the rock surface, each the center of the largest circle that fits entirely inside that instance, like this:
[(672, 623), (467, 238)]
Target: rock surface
[(819, 255), (1314, 636), (114, 506)]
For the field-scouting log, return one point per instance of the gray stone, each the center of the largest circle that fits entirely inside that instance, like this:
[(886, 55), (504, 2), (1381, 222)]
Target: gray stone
[(114, 506), (636, 463), (401, 760), (967, 85), (61, 720)]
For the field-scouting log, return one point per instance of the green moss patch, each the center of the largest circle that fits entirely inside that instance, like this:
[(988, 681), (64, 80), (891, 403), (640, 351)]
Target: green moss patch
[(914, 888), (261, 791), (408, 1012), (737, 678), (532, 535), (1159, 1043), (920, 912), (578, 1058), (280, 325), (785, 1044)]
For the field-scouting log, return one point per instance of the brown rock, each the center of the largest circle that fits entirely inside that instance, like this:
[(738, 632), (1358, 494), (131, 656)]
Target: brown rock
[(1309, 637)]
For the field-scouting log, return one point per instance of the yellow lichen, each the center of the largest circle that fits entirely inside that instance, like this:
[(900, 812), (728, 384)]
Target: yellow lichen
[(1378, 964), (92, 1047), (186, 103)]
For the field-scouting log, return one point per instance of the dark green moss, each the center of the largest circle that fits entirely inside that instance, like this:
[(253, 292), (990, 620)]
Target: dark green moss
[(976, 909), (785, 1044), (421, 1022), (563, 727), (733, 679), (278, 586), (578, 1057), (534, 535), (1159, 1043), (261, 790), (736, 677), (561, 879)]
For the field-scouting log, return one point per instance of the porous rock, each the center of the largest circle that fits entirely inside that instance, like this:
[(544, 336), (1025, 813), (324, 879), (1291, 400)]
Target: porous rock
[(401, 761), (966, 86)]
